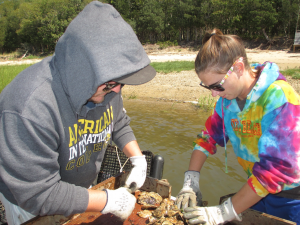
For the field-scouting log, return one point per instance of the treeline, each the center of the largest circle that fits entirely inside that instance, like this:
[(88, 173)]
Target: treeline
[(36, 25)]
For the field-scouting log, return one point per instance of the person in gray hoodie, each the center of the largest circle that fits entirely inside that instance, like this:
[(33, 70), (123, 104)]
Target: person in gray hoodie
[(58, 115)]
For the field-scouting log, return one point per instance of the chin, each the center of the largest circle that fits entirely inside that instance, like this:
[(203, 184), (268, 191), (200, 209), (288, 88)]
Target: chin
[(97, 101), (228, 97)]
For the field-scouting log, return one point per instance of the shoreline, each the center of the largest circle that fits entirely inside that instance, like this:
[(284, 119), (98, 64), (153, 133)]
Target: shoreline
[(184, 86)]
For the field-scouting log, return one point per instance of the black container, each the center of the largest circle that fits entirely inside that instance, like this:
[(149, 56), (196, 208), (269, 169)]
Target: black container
[(157, 167), (111, 165)]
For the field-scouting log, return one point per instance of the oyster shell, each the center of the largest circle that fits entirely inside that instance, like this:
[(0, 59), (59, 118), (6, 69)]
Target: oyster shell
[(149, 200), (164, 211), (145, 213), (160, 211)]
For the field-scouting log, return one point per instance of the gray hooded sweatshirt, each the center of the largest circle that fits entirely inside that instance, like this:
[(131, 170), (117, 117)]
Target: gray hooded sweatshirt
[(52, 142)]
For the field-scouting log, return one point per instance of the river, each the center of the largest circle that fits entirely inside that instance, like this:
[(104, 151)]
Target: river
[(169, 129)]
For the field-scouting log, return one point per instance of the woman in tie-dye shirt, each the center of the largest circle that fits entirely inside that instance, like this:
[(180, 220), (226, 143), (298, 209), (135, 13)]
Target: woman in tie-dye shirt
[(259, 112)]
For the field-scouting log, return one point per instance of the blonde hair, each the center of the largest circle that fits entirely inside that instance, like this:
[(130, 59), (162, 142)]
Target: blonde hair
[(218, 52)]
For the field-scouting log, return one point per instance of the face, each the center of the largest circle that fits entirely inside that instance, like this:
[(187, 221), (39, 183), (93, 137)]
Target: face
[(98, 97)]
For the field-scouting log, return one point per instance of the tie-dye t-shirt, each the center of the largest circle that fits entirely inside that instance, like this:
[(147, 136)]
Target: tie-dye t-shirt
[(265, 136)]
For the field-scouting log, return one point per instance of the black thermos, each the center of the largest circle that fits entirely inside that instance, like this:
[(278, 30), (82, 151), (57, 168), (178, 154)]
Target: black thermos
[(157, 167)]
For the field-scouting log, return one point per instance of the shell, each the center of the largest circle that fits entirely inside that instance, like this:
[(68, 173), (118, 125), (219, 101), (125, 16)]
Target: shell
[(164, 211), (145, 213), (149, 200)]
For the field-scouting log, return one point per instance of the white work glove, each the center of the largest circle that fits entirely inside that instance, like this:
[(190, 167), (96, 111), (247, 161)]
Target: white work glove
[(190, 195), (138, 172), (119, 202), (213, 215)]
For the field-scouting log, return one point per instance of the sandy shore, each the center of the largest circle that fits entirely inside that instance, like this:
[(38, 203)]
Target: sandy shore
[(284, 59), (184, 86)]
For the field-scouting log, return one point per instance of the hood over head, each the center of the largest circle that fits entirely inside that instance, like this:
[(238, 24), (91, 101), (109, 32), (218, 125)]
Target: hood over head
[(99, 46)]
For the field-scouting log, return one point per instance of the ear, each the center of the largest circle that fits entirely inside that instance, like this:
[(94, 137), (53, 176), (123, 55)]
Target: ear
[(239, 68)]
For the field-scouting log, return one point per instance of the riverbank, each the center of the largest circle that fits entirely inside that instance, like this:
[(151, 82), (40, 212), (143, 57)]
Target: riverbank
[(184, 86)]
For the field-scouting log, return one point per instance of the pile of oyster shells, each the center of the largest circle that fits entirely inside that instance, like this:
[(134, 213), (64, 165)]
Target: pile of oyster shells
[(159, 211)]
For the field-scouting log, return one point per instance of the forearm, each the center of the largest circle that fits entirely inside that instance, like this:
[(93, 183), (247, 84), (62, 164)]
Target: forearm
[(132, 149), (244, 199), (97, 200), (197, 160)]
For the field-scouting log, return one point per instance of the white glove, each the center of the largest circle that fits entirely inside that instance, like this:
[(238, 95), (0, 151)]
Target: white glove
[(119, 202), (213, 215), (138, 172), (190, 195)]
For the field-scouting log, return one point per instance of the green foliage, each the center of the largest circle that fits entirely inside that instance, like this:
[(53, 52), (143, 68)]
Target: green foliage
[(294, 73), (8, 73), (38, 24), (174, 66), (206, 102), (165, 44)]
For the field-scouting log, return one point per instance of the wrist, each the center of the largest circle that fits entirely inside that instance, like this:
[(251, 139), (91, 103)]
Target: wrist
[(228, 211), (105, 200), (97, 200), (137, 159), (191, 179)]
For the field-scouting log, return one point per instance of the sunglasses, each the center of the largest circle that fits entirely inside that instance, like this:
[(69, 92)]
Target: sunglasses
[(110, 86), (218, 87)]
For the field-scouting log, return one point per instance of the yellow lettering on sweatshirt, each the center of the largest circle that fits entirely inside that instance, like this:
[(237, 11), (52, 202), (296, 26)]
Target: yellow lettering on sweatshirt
[(106, 121), (80, 131), (100, 124), (73, 136), (111, 113), (108, 113), (88, 126), (88, 154), (97, 147), (97, 127), (80, 161), (70, 165)]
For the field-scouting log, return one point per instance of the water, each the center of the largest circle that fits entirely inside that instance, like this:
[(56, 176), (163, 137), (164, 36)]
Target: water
[(169, 129)]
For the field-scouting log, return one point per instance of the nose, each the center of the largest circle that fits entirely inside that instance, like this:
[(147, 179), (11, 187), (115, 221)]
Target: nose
[(214, 93)]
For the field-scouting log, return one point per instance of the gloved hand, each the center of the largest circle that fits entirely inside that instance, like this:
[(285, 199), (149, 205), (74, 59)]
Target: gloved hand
[(190, 195), (119, 202), (213, 215), (138, 172)]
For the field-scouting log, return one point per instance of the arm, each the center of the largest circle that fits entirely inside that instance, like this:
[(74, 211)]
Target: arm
[(97, 201), (190, 194), (197, 160), (278, 166), (132, 149), (244, 199)]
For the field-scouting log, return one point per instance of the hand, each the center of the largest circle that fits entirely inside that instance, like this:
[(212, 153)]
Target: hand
[(190, 195), (138, 173), (213, 215), (119, 202)]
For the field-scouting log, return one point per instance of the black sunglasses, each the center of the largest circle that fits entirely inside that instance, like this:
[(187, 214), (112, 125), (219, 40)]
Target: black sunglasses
[(218, 87), (215, 87), (110, 86)]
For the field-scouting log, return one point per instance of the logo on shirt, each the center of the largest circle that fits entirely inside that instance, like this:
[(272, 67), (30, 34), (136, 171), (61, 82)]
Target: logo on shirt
[(246, 127), (87, 133)]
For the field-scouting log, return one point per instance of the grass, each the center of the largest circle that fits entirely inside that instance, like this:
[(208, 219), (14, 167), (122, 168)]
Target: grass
[(294, 73), (132, 96), (8, 73), (206, 102), (174, 66)]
